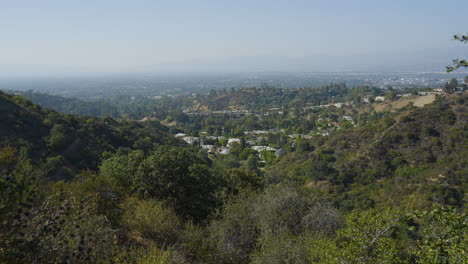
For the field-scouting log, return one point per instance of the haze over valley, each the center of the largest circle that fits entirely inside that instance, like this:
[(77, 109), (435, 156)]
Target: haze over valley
[(225, 132)]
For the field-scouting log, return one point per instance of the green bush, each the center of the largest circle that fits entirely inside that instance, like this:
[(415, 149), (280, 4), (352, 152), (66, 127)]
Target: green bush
[(234, 234), (282, 249), (368, 237), (140, 255), (443, 236), (7, 157), (151, 220)]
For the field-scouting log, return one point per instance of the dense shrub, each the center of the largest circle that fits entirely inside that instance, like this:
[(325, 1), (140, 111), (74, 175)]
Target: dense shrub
[(151, 220)]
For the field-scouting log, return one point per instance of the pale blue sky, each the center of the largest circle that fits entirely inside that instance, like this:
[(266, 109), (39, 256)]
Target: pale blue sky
[(117, 33)]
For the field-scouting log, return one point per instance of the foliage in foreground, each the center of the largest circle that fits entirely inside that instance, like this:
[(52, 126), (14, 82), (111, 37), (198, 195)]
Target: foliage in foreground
[(177, 205)]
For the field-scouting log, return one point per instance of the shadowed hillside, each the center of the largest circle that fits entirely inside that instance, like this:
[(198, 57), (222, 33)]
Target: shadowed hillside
[(71, 142)]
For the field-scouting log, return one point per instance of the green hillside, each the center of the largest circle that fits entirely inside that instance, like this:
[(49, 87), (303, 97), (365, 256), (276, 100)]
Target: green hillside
[(77, 189), (72, 142), (410, 158), (71, 105)]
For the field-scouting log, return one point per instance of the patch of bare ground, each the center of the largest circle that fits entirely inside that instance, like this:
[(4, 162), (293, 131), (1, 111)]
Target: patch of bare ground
[(417, 100), (169, 123)]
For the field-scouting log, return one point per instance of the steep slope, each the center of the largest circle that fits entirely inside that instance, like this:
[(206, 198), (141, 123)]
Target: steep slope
[(71, 143), (71, 105), (410, 158)]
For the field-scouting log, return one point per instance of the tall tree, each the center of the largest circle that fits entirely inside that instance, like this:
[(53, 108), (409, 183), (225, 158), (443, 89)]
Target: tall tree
[(464, 85), (451, 86)]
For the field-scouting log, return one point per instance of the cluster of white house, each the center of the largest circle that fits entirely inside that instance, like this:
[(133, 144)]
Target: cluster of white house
[(224, 150), (258, 134)]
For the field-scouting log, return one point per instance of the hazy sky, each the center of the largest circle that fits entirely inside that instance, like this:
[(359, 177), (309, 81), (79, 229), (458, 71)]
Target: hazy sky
[(117, 33)]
